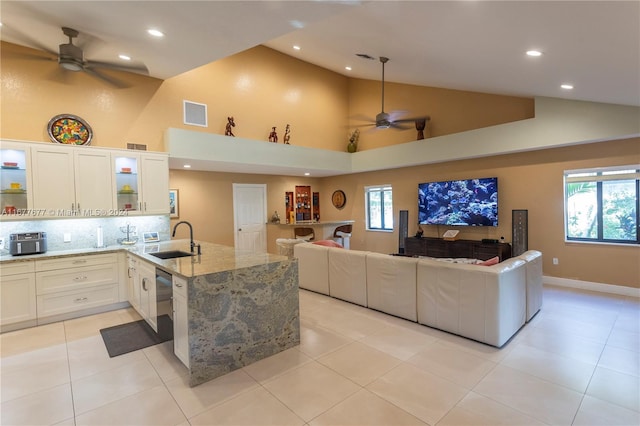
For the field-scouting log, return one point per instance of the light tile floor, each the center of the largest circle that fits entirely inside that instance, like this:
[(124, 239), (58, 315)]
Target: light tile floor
[(577, 362)]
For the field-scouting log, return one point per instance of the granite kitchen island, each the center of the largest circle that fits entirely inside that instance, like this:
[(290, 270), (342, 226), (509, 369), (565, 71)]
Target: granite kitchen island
[(241, 306)]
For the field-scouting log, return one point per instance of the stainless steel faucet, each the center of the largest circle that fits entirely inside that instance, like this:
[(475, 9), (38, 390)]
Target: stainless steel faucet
[(192, 244)]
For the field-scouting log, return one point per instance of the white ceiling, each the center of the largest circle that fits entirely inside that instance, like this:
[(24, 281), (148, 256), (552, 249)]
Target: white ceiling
[(469, 45)]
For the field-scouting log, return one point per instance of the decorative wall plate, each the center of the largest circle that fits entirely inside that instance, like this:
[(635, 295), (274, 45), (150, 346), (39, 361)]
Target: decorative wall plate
[(339, 199), (70, 130)]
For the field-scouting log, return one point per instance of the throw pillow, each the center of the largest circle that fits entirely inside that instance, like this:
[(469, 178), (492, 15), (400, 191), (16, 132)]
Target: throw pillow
[(328, 243), (489, 262)]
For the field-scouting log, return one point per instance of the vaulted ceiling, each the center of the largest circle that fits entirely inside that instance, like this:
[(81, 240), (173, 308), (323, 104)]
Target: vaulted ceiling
[(468, 45)]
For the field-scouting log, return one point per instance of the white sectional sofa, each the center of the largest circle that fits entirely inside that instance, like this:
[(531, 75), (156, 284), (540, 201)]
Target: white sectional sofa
[(485, 303)]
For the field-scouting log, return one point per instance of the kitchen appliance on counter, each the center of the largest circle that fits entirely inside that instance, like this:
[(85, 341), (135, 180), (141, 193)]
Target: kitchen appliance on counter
[(27, 243)]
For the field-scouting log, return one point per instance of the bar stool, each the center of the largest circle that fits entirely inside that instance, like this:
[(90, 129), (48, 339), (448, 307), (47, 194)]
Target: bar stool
[(342, 234), (303, 233)]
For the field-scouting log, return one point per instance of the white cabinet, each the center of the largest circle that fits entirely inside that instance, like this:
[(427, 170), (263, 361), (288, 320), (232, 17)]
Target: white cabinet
[(133, 283), (141, 182), (18, 294), (75, 283), (147, 284), (180, 320), (155, 184), (71, 179), (62, 180)]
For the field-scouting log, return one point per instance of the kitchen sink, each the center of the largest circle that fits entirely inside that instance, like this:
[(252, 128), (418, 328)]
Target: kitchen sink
[(171, 254)]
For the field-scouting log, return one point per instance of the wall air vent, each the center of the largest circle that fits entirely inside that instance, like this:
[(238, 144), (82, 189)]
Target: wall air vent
[(195, 114), (138, 146)]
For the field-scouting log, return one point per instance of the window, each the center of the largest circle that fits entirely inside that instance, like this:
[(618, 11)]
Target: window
[(379, 206), (601, 205)]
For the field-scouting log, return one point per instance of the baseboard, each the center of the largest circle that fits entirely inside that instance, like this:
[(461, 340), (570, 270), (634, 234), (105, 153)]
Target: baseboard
[(587, 285)]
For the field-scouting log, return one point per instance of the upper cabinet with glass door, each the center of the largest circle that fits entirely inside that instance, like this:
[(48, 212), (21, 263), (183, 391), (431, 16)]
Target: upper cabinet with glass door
[(15, 180), (141, 182), (126, 182)]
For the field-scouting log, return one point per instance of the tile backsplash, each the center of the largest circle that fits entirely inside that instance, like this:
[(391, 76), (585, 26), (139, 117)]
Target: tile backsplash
[(83, 232)]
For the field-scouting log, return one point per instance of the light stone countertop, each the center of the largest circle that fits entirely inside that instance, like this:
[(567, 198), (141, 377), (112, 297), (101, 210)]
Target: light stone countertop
[(214, 258)]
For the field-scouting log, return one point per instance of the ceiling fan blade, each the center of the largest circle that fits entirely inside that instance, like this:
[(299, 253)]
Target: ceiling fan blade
[(411, 120), (400, 126), (137, 68), (111, 80)]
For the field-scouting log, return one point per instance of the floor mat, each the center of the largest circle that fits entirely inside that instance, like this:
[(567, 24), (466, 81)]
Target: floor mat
[(125, 338)]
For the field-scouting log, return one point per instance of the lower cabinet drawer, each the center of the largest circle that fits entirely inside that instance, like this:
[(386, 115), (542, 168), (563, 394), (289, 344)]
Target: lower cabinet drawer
[(76, 278), (69, 301)]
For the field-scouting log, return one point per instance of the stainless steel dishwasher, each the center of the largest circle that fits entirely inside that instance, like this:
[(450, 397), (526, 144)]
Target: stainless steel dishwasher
[(164, 301)]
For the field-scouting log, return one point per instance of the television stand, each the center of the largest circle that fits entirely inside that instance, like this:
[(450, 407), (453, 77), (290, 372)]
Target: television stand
[(438, 247)]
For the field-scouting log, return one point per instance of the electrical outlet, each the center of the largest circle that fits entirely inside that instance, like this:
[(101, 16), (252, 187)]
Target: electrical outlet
[(67, 237), (1, 243), (555, 261)]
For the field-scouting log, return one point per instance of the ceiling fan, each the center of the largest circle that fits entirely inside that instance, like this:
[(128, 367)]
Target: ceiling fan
[(70, 57), (385, 120)]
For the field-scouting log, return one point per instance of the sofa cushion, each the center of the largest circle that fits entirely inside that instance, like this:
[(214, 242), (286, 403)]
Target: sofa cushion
[(313, 267), (348, 275), (391, 284)]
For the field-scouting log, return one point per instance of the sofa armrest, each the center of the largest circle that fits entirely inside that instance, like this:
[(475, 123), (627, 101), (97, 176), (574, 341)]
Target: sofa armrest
[(534, 281)]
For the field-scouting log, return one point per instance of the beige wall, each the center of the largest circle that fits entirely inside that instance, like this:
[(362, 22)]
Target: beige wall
[(531, 181), (260, 87), (263, 88)]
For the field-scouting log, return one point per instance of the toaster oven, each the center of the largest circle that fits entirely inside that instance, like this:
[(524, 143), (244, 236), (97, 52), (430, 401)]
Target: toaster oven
[(27, 243)]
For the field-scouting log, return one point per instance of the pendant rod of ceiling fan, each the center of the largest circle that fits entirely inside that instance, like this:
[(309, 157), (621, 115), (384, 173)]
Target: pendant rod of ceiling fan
[(384, 61)]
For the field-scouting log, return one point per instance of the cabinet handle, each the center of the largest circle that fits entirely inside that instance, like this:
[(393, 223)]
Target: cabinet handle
[(144, 284), (81, 299), (178, 285), (76, 262), (145, 206), (73, 206), (82, 278), (129, 272)]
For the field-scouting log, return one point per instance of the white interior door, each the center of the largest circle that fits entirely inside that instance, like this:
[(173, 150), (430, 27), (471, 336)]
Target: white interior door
[(250, 216)]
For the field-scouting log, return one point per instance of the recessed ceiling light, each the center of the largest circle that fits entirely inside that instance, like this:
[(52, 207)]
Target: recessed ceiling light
[(534, 53), (296, 47), (307, 174), (566, 86), (187, 166), (124, 57), (155, 33), (347, 68)]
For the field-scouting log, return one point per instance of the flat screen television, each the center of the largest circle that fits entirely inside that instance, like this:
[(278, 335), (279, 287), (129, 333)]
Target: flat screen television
[(467, 202)]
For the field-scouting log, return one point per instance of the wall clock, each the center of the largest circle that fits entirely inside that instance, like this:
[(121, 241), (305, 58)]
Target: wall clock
[(339, 199)]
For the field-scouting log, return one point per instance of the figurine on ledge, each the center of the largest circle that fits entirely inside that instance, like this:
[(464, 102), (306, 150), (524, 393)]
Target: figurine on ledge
[(273, 136), (420, 231), (287, 134), (230, 124)]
